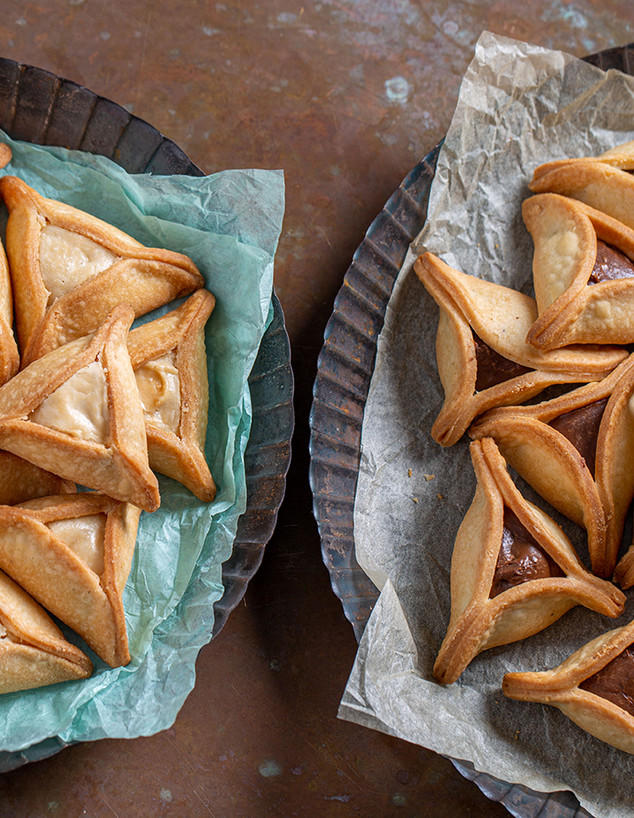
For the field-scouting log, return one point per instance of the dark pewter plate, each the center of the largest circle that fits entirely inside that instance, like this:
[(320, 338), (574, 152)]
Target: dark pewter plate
[(344, 372), (40, 107)]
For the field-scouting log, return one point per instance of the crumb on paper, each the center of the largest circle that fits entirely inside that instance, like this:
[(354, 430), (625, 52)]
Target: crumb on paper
[(429, 477), (440, 496), (415, 499)]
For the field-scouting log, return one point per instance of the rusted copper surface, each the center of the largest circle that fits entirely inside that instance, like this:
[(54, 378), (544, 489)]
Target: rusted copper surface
[(346, 97)]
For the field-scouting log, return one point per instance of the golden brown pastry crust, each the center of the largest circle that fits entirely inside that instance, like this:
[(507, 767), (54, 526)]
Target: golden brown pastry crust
[(501, 317), (565, 234), (145, 278), (46, 567), (180, 454), (33, 652), (119, 467), (560, 687), (624, 571), (603, 182), (21, 481), (479, 621), (550, 463), (5, 154), (9, 356)]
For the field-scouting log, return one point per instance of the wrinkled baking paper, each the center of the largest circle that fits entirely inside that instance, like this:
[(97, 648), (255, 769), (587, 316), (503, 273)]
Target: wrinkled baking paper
[(519, 106), (229, 224)]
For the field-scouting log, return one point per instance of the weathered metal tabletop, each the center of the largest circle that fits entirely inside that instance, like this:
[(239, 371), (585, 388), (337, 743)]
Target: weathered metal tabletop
[(346, 97)]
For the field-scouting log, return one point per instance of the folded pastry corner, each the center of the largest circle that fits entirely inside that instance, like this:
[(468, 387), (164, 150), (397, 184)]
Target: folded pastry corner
[(21, 481), (76, 412), (9, 355), (513, 570), (73, 553), (33, 651), (594, 687), (583, 273), (70, 269), (6, 154), (624, 571), (170, 365), (604, 182), (482, 355), (577, 452)]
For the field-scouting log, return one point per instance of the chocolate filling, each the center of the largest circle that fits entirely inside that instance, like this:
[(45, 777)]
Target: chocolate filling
[(615, 682), (493, 368), (520, 558), (610, 264), (581, 427)]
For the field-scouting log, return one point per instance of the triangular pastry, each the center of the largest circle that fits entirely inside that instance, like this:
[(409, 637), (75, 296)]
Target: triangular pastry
[(72, 553), (69, 269), (170, 365), (9, 356), (33, 652), (481, 351), (77, 413), (594, 687), (583, 274), (21, 481), (577, 452), (603, 182), (513, 571)]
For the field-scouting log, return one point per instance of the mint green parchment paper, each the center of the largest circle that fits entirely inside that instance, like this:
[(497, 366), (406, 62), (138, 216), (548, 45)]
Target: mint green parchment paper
[(229, 224)]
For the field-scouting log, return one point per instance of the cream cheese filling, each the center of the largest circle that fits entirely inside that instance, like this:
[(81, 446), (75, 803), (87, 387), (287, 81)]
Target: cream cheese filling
[(159, 388), (84, 536), (68, 259), (79, 406)]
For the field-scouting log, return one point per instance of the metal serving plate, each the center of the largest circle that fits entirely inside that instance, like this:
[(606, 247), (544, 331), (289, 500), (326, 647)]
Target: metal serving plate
[(344, 372), (40, 107)]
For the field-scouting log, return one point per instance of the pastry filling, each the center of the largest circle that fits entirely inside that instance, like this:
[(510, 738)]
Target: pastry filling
[(581, 428), (493, 368), (520, 558), (84, 536), (610, 264), (615, 682), (159, 388), (68, 259), (79, 407)]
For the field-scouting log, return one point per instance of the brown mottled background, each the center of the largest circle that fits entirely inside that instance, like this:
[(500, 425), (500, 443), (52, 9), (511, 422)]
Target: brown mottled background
[(312, 89)]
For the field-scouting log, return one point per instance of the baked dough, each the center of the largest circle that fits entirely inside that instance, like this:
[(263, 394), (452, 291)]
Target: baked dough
[(536, 441), (490, 607), (9, 355), (603, 182), (583, 274), (21, 481), (5, 154), (474, 311), (76, 412), (573, 684), (70, 269), (170, 364), (33, 652), (72, 553)]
